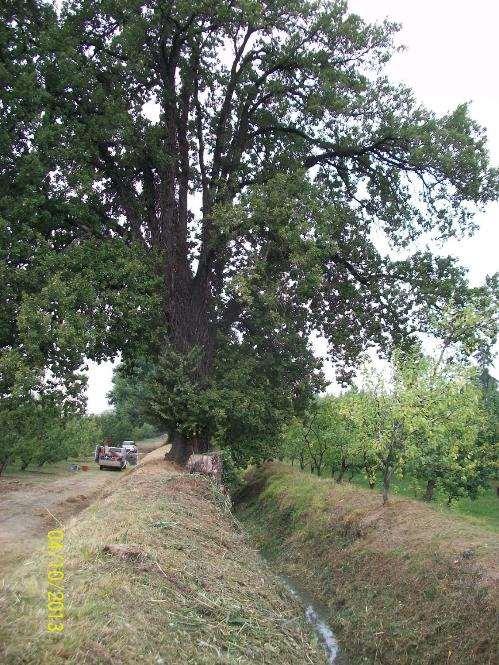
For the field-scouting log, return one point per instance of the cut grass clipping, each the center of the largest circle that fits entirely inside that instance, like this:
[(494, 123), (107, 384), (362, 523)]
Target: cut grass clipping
[(157, 572), (403, 584)]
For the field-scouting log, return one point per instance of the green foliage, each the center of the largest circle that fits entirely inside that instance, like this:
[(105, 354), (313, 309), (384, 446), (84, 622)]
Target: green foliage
[(130, 397), (427, 422), (299, 148), (36, 432), (232, 473), (468, 327), (118, 428), (254, 389), (446, 423), (61, 440)]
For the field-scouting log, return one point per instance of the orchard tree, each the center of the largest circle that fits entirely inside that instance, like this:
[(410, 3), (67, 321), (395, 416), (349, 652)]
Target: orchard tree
[(308, 439), (444, 415), (331, 426), (378, 414), (358, 413), (292, 444), (317, 437), (327, 436), (241, 153), (61, 439)]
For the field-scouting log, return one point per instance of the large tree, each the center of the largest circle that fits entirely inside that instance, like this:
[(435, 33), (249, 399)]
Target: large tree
[(249, 150)]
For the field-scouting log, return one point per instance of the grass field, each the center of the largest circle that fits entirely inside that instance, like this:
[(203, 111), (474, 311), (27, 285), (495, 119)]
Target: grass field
[(483, 511)]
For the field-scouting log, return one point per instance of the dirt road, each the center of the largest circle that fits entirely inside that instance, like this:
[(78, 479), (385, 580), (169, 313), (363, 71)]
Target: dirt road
[(26, 508), (30, 506), (31, 503)]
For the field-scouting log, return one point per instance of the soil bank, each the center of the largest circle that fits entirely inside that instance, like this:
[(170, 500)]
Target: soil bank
[(158, 572)]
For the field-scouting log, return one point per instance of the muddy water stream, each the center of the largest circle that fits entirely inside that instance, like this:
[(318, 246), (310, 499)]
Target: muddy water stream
[(315, 615)]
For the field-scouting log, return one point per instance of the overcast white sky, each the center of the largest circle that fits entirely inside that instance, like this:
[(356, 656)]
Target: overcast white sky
[(452, 56)]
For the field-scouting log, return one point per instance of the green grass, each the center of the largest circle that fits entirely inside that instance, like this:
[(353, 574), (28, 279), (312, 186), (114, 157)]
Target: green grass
[(52, 469), (483, 511), (404, 584)]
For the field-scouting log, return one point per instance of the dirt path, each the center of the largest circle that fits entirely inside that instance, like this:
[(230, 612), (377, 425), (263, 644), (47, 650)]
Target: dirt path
[(33, 503), (30, 507), (24, 512)]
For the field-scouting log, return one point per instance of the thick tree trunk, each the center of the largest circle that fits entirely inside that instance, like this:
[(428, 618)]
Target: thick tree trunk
[(430, 489), (182, 448), (187, 309)]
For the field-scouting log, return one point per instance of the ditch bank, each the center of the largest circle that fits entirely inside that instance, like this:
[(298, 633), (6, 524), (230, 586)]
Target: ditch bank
[(401, 584), (158, 572)]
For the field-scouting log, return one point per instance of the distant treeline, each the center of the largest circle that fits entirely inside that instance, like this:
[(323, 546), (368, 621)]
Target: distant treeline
[(42, 430)]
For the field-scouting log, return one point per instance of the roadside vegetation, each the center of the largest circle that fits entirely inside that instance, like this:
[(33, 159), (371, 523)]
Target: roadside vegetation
[(33, 436), (404, 584), (173, 581)]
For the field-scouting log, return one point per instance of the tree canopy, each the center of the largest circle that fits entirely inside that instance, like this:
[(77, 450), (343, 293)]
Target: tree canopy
[(204, 180)]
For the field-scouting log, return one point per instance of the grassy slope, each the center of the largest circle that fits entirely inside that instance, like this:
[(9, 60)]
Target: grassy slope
[(483, 511), (189, 588), (403, 584)]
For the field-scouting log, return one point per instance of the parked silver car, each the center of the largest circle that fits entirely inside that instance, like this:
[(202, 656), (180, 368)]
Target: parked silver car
[(131, 452)]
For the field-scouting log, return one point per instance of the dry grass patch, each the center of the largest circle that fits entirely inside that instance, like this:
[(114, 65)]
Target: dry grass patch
[(157, 572)]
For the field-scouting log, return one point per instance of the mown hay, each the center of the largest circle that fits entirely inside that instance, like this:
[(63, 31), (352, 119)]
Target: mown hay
[(157, 572)]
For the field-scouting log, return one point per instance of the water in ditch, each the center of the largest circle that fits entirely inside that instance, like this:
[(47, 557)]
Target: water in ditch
[(315, 615)]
